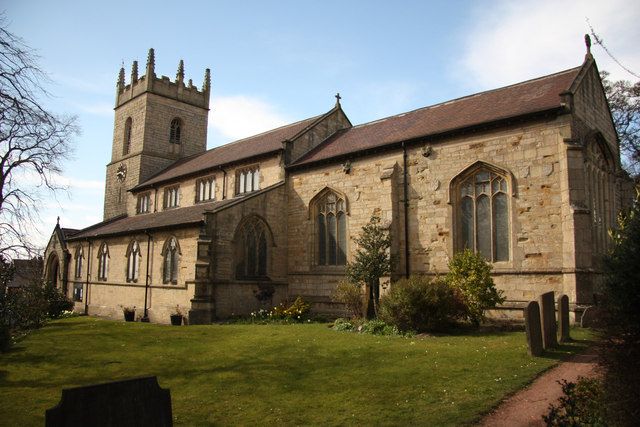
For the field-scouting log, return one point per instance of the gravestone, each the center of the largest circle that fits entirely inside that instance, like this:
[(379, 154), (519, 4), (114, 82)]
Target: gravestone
[(563, 318), (533, 328), (134, 402), (548, 320)]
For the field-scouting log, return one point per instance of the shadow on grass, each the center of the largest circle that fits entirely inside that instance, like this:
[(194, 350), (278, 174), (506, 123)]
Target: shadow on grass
[(566, 350)]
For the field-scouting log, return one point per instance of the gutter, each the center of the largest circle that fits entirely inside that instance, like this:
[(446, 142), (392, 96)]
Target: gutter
[(145, 317), (406, 210), (86, 294)]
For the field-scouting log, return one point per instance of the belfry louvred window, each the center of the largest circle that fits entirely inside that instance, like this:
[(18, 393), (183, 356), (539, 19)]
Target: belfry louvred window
[(175, 133)]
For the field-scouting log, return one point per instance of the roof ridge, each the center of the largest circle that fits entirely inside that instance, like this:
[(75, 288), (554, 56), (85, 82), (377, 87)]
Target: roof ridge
[(450, 101)]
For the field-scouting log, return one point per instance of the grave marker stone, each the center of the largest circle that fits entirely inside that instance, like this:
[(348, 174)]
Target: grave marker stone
[(563, 318), (548, 320), (533, 327), (134, 402)]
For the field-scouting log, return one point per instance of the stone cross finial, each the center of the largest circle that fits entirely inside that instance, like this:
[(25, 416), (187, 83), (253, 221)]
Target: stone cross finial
[(206, 86), (338, 98), (151, 64), (587, 42), (180, 73), (58, 221), (134, 72)]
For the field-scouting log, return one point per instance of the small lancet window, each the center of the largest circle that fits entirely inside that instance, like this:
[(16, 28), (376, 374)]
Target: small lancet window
[(176, 131), (133, 262), (103, 262), (127, 136), (78, 266)]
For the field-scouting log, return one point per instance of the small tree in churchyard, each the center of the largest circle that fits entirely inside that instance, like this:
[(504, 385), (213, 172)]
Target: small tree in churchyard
[(372, 261), (471, 274)]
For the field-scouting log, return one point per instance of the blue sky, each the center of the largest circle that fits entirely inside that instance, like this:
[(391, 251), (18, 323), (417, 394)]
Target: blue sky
[(275, 62)]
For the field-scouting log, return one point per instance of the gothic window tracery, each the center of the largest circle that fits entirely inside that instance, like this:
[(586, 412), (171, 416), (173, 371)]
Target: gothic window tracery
[(482, 211), (252, 241), (601, 193), (171, 252), (103, 261), (331, 229), (133, 261), (78, 266)]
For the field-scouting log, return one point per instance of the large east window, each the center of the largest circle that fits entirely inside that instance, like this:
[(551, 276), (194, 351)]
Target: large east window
[(483, 214)]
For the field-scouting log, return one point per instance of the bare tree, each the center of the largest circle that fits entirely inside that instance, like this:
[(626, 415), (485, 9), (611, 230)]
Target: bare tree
[(33, 143), (624, 99)]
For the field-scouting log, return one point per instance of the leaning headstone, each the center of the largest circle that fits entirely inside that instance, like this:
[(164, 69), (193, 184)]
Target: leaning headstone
[(533, 328), (563, 318), (548, 320), (134, 402)]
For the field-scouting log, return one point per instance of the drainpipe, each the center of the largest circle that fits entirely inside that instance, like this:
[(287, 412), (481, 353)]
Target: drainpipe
[(86, 294), (224, 184), (145, 318), (406, 210)]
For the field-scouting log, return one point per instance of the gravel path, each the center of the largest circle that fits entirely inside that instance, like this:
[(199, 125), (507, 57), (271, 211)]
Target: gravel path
[(526, 407)]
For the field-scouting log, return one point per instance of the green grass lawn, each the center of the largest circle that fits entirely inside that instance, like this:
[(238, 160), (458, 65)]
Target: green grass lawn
[(275, 374)]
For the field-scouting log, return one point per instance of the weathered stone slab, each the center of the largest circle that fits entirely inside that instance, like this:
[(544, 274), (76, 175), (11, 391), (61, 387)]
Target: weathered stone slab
[(134, 402), (548, 320), (533, 327), (563, 318)]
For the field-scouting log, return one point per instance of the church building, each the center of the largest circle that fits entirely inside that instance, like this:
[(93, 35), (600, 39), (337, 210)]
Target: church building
[(527, 175)]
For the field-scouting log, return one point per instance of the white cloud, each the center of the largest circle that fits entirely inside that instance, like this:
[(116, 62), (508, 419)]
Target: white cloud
[(514, 41), (239, 116)]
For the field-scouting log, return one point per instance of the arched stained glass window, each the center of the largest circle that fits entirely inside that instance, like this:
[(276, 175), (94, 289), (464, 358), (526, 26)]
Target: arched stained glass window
[(331, 229), (171, 252), (78, 266), (103, 261), (483, 214), (133, 262), (252, 250)]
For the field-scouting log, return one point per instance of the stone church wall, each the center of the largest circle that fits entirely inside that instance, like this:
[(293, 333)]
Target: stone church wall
[(233, 296), (106, 298), (529, 154)]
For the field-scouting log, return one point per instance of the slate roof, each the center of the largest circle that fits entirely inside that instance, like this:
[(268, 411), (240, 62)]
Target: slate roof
[(190, 216), (529, 97), (264, 143)]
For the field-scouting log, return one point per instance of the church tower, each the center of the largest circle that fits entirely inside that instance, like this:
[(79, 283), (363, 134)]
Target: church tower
[(157, 121)]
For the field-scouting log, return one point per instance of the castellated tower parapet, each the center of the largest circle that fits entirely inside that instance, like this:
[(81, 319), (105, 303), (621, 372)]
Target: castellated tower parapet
[(162, 86), (156, 122)]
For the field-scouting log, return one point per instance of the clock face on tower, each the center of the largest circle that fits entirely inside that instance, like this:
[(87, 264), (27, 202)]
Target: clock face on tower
[(121, 173)]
